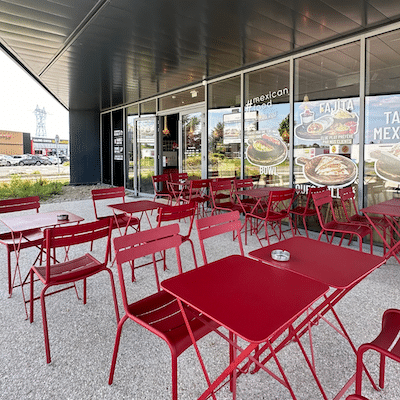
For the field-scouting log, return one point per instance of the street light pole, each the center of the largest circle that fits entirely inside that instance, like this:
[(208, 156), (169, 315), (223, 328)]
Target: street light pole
[(58, 160)]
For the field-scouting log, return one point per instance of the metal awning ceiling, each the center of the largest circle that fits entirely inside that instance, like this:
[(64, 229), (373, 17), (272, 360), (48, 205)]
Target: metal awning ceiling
[(98, 54)]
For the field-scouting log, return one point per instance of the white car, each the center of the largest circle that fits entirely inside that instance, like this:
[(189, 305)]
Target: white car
[(54, 160), (6, 160)]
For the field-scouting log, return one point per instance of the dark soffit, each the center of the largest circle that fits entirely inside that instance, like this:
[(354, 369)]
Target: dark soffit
[(98, 54)]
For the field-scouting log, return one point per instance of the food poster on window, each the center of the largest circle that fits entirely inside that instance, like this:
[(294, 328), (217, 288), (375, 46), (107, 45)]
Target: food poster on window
[(267, 140), (331, 129), (146, 131), (382, 137)]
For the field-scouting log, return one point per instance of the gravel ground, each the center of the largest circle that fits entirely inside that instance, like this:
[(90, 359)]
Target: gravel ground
[(74, 192)]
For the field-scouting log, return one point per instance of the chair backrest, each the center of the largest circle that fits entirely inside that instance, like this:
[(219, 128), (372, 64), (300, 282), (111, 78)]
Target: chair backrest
[(162, 178), (246, 183), (311, 191), (106, 194), (178, 176), (199, 183), (280, 201), (320, 200), (221, 191), (198, 188), (71, 235), (143, 243), (348, 200), (217, 225), (21, 204), (176, 213)]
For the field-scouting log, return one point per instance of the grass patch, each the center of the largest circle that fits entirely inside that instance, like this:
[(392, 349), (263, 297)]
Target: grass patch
[(25, 188)]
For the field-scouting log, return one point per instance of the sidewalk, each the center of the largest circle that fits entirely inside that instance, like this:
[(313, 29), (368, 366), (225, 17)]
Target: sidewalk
[(82, 339)]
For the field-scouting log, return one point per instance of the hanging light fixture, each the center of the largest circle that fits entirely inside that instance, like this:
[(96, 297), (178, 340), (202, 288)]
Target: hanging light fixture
[(165, 131)]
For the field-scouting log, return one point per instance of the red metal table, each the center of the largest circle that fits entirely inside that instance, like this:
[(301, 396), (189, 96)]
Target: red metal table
[(253, 301), (26, 222), (259, 194), (132, 207), (390, 209), (338, 267)]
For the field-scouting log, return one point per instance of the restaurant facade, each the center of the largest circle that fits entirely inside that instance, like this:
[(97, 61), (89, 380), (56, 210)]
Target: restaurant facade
[(323, 117)]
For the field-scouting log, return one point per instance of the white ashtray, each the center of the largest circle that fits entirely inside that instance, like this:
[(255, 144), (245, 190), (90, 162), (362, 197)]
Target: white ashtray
[(62, 217), (280, 255)]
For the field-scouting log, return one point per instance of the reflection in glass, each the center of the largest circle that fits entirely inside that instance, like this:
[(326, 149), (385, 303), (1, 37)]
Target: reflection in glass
[(132, 114), (191, 134), (145, 133), (327, 109), (267, 125), (382, 118), (224, 129)]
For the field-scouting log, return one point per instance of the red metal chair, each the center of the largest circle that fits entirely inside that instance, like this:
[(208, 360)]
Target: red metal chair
[(241, 185), (178, 176), (308, 210), (160, 312), (216, 225), (70, 270), (278, 208), (164, 191), (31, 238), (222, 196), (387, 344), (103, 197), (198, 193), (176, 213), (355, 397), (347, 198), (329, 222)]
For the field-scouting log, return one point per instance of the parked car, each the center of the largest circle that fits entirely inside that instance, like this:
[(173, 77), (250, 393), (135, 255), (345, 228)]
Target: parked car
[(63, 158), (6, 160), (29, 159), (54, 160), (45, 160)]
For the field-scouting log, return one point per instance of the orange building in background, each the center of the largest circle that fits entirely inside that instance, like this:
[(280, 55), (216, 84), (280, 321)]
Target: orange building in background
[(13, 142)]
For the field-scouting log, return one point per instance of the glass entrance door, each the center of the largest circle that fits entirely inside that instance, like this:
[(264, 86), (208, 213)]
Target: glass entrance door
[(145, 131), (191, 127)]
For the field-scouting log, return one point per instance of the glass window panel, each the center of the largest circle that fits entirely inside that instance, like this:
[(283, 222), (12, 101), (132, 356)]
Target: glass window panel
[(185, 98), (224, 128), (327, 107), (382, 118), (148, 108), (131, 114), (267, 125)]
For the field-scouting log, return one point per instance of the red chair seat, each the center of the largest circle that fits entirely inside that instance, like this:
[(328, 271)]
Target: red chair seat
[(75, 269), (161, 312)]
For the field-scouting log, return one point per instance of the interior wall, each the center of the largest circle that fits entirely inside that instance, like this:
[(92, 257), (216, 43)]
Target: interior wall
[(85, 147)]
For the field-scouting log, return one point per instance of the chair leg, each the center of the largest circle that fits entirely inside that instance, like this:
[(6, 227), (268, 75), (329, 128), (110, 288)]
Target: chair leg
[(84, 291), (31, 295), (9, 270), (174, 370), (305, 225), (45, 327), (114, 294), (382, 371), (116, 346), (194, 254)]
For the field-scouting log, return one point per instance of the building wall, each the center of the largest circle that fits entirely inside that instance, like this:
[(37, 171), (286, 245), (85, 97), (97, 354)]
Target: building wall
[(11, 142), (84, 147)]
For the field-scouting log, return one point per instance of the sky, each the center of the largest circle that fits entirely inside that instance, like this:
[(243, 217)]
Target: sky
[(19, 96)]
